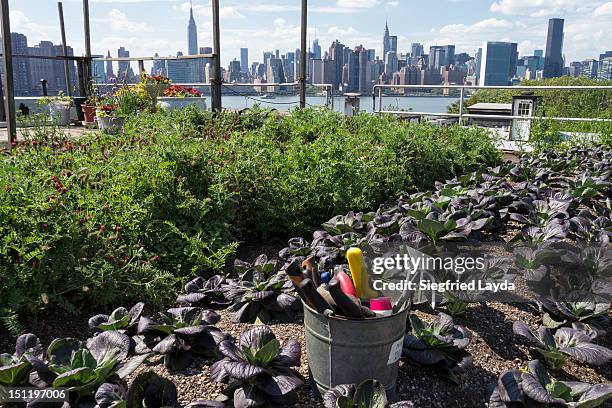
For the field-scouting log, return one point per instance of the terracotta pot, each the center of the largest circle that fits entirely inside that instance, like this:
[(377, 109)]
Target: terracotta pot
[(89, 112)]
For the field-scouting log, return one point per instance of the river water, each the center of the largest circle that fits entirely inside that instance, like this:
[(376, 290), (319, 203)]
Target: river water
[(434, 104), (414, 103)]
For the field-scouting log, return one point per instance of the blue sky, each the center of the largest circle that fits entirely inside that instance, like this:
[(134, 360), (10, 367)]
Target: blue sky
[(149, 26)]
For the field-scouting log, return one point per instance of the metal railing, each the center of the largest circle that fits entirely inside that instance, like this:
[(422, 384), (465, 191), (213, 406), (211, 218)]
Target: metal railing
[(8, 96), (378, 91), (329, 89)]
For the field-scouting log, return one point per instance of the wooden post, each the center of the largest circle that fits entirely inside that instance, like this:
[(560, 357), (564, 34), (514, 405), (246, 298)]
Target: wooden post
[(7, 58), (60, 9), (303, 52), (87, 64), (216, 80)]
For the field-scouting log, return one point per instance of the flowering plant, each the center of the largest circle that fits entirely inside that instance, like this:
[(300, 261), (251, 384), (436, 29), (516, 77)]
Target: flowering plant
[(182, 92), (107, 109), (154, 79), (60, 99)]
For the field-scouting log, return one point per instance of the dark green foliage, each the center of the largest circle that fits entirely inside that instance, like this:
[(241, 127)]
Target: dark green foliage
[(104, 220)]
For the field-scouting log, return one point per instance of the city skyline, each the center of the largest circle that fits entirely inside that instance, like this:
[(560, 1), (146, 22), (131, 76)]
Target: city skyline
[(273, 25)]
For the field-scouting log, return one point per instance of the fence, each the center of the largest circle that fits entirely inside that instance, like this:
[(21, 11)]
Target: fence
[(378, 92), (86, 61)]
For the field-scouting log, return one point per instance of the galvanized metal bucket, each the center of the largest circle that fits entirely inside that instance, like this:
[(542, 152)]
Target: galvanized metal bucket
[(348, 351)]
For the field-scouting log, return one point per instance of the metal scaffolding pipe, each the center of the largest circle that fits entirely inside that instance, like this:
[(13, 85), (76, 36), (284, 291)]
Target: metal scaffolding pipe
[(303, 56), (216, 80), (87, 31), (60, 10), (7, 57)]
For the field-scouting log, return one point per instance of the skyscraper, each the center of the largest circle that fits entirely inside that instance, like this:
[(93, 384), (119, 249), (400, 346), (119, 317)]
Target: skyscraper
[(244, 59), (540, 55), (498, 63), (110, 74), (192, 33), (386, 40), (449, 55), (478, 64), (317, 71), (159, 67), (316, 49), (97, 69), (437, 57), (352, 81), (336, 52), (553, 61), (416, 50), (177, 69), (21, 66), (275, 73), (124, 66), (51, 70), (393, 43)]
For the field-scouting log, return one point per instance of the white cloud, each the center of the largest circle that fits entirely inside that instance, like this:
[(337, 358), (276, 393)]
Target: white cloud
[(346, 6), (487, 25), (349, 4), (21, 23), (543, 8), (120, 21), (393, 3), (603, 10), (206, 11), (271, 8), (279, 22), (338, 31)]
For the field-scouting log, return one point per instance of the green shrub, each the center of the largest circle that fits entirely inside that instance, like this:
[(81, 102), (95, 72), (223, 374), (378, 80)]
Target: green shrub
[(570, 104), (108, 219)]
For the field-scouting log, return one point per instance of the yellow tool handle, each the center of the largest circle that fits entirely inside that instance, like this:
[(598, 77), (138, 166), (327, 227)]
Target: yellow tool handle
[(354, 256)]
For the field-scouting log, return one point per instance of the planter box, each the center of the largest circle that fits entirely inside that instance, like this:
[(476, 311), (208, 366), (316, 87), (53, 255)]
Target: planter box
[(60, 113), (110, 124), (169, 104)]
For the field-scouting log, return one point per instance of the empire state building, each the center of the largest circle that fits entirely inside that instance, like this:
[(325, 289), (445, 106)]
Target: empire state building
[(192, 34)]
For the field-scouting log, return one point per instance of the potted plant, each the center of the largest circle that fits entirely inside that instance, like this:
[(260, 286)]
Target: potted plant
[(89, 109), (177, 96), (109, 118), (59, 107), (89, 105), (155, 85), (126, 101)]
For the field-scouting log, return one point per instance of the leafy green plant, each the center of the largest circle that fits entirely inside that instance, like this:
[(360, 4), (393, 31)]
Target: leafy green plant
[(202, 292), (533, 387), (106, 219), (559, 313), (367, 394), (439, 344), (119, 319), (181, 333), (148, 389), (261, 292), (82, 368), (573, 342), (14, 369), (258, 370)]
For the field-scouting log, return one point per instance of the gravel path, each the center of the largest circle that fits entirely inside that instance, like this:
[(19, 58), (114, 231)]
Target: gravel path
[(493, 346)]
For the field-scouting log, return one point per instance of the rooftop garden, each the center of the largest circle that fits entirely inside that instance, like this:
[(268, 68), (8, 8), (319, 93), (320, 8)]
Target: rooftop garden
[(172, 248)]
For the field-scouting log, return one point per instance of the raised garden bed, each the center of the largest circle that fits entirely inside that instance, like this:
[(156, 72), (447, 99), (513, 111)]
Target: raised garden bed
[(545, 203)]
